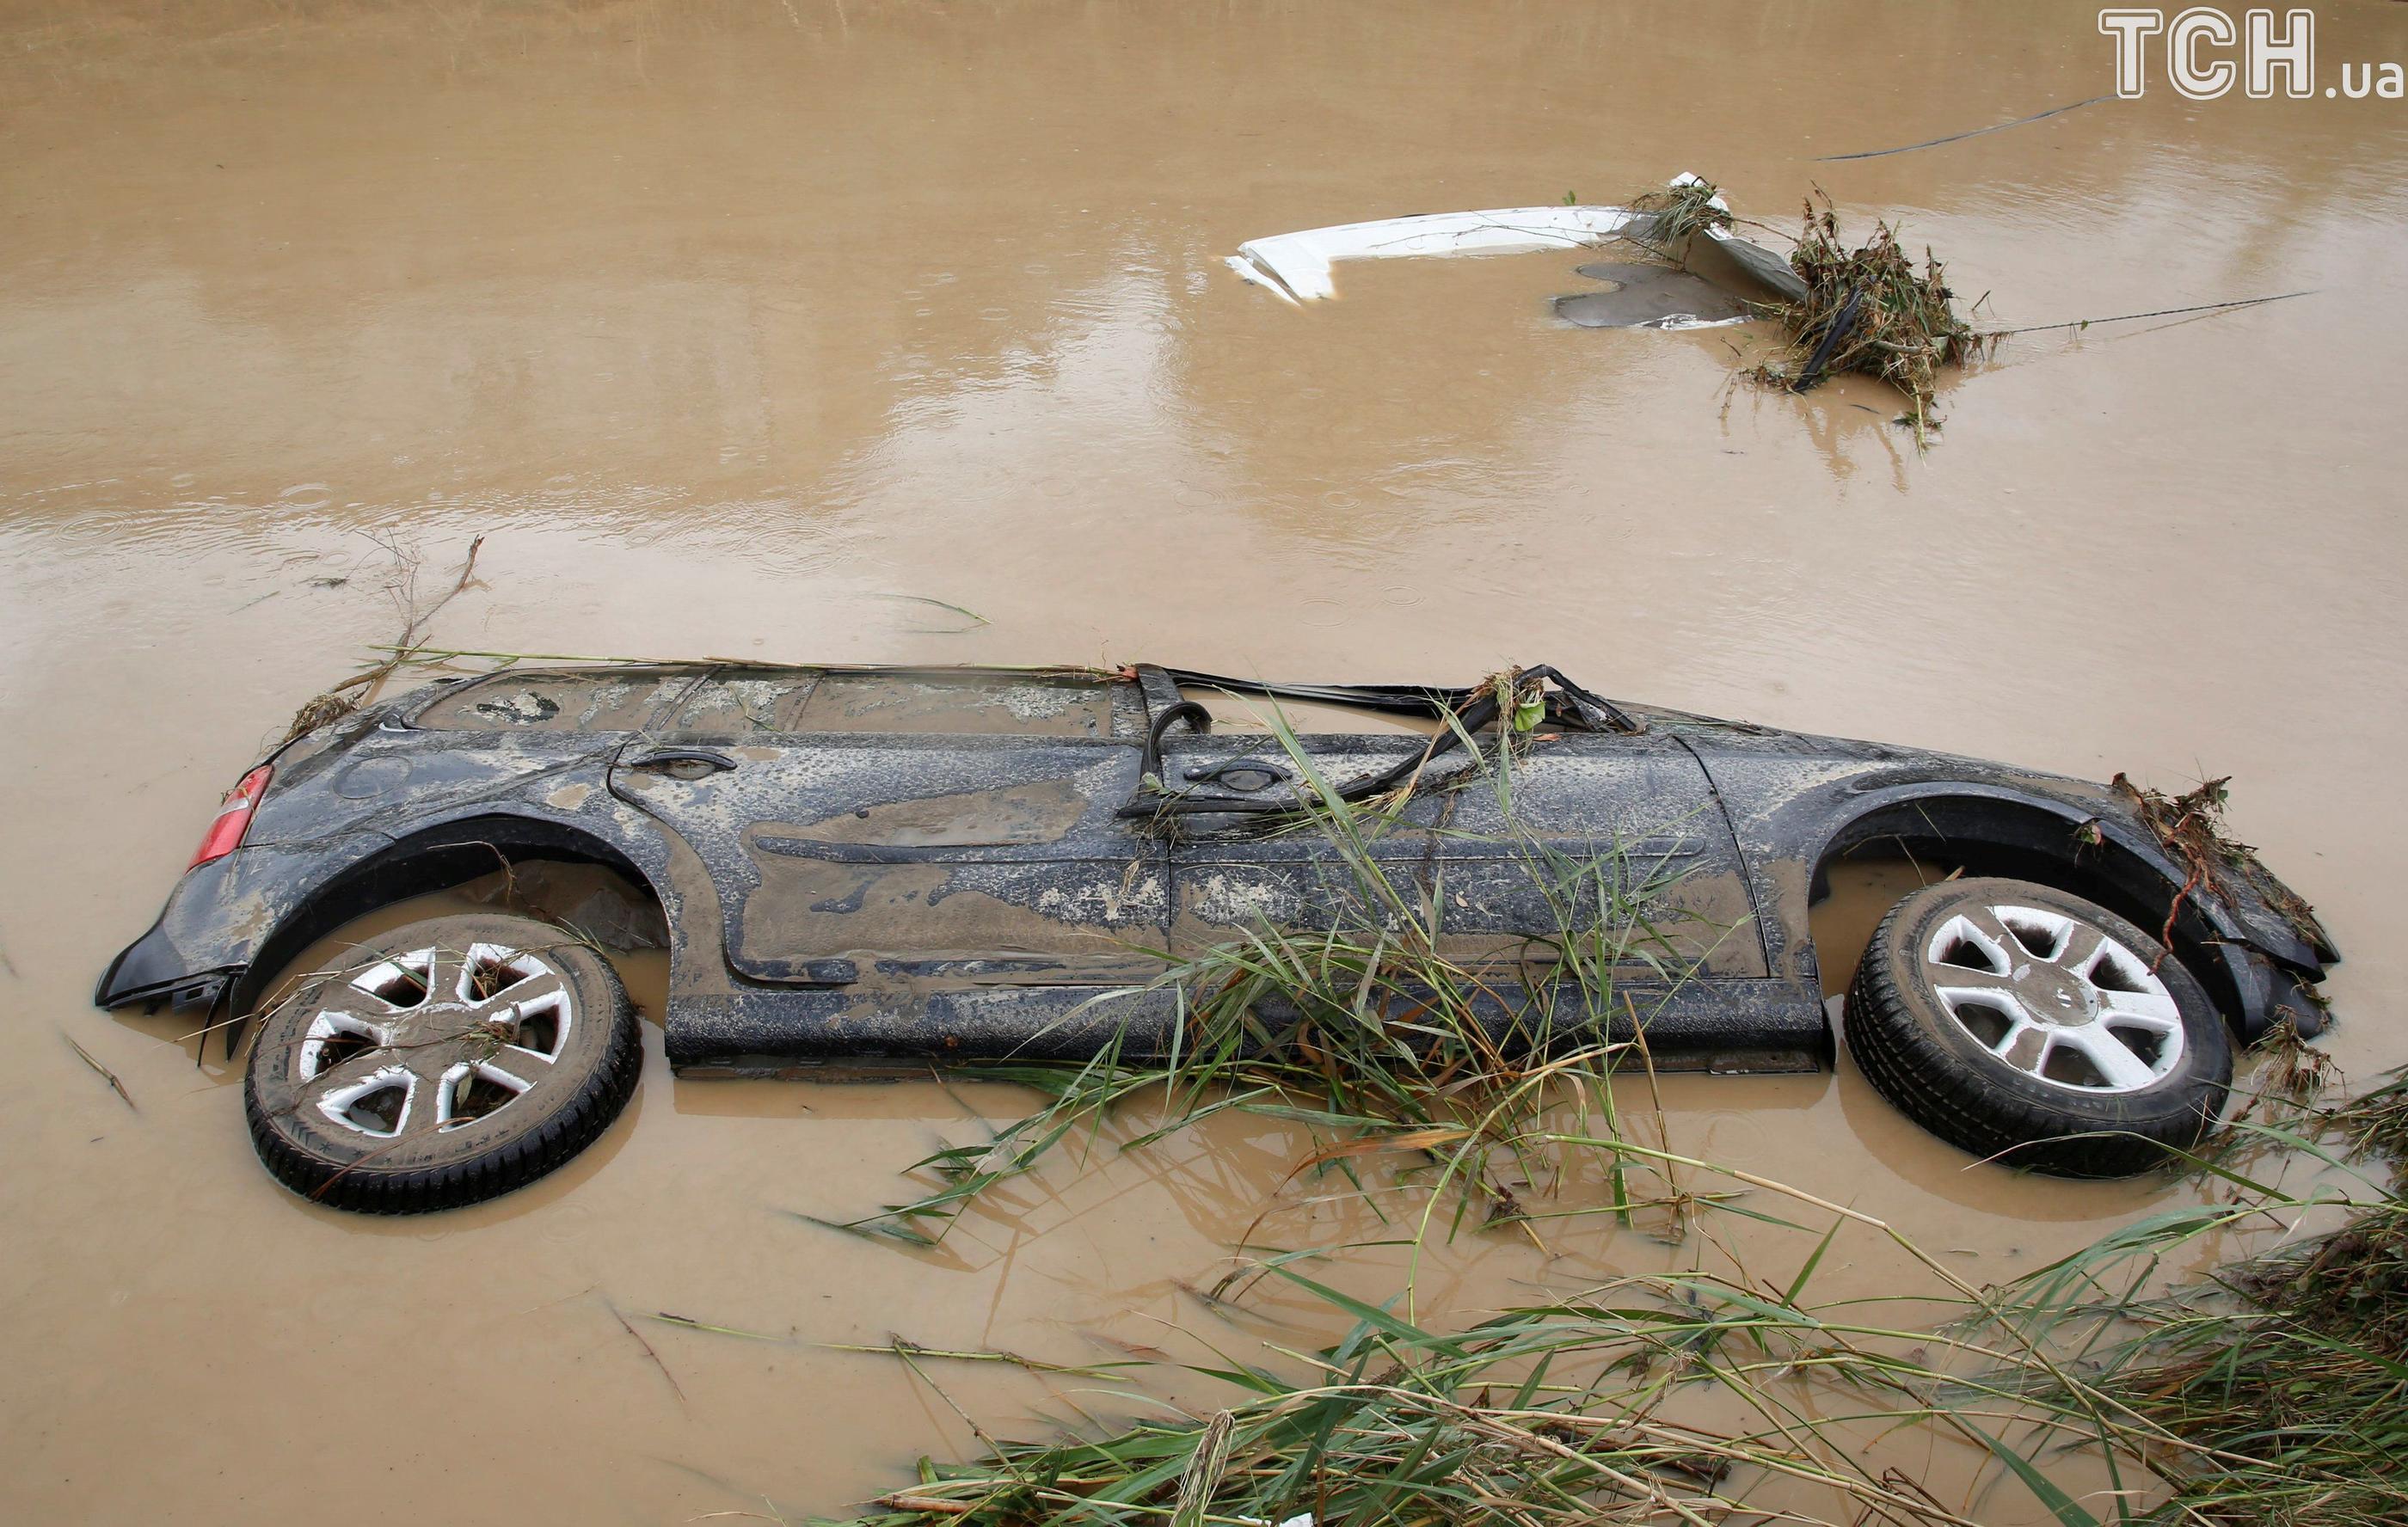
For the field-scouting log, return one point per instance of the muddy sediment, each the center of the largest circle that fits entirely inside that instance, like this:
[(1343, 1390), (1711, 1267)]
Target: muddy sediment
[(728, 325)]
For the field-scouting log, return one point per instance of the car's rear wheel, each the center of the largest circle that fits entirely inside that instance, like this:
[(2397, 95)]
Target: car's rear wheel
[(451, 1061), (2030, 1025)]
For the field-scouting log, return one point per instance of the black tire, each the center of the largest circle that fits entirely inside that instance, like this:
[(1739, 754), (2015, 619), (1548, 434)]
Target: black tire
[(393, 1021), (2057, 1112)]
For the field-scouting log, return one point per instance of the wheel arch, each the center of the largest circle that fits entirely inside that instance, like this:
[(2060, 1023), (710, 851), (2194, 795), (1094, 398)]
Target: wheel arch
[(431, 858), (1993, 830)]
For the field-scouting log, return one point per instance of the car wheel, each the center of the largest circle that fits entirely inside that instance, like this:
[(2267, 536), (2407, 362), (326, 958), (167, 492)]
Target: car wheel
[(451, 1061), (2030, 1025)]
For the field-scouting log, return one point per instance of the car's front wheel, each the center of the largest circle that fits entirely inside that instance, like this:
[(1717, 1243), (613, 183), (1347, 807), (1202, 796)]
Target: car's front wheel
[(451, 1061), (2028, 1024)]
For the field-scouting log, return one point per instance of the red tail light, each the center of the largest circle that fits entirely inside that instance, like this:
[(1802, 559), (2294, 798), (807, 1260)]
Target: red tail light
[(234, 817)]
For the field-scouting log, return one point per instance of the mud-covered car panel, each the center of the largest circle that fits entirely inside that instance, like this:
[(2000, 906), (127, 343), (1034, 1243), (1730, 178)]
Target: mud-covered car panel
[(1795, 801), (995, 840), (605, 701), (1638, 803)]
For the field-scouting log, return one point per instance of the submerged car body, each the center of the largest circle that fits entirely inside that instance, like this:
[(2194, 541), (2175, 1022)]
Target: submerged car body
[(860, 862), (1296, 267)]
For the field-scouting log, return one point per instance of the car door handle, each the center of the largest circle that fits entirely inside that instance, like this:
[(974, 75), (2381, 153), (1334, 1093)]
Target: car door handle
[(1244, 774), (684, 762)]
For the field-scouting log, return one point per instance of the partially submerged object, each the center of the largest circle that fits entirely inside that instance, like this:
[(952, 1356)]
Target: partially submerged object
[(970, 864), (1649, 298), (1296, 267), (1866, 310)]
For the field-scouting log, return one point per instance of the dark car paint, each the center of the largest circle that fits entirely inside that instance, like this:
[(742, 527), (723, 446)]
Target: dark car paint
[(787, 862)]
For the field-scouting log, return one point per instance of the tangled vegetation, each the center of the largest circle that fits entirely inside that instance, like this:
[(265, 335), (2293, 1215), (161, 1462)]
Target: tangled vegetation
[(1678, 213), (2285, 1379), (2191, 827), (2270, 1394), (1868, 309)]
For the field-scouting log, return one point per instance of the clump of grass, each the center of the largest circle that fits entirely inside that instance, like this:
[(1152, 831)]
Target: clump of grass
[(1677, 213), (1539, 1415), (1868, 309), (2282, 1379), (2374, 1124), (1615, 1405), (1367, 1025), (2353, 1287), (2269, 1395)]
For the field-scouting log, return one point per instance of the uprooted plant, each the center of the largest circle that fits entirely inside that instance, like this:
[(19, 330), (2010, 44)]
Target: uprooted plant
[(1563, 1412), (1380, 1026), (1868, 309)]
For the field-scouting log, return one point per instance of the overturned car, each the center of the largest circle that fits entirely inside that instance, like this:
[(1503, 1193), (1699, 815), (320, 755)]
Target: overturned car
[(855, 863)]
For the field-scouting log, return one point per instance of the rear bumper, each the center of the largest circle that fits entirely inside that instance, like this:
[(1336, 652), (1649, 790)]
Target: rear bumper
[(202, 941)]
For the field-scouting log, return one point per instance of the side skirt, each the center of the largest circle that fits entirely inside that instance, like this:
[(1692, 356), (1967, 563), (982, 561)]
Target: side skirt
[(1725, 1026)]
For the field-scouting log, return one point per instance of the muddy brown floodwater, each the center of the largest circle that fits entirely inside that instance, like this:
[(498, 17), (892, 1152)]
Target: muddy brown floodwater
[(726, 323)]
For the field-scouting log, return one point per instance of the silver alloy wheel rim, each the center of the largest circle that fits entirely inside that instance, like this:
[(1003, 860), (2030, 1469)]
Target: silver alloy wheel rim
[(2063, 1002), (434, 1040)]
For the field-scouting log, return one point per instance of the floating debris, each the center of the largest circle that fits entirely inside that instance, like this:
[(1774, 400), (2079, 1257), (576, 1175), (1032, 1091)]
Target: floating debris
[(628, 1326), (973, 617), (340, 700), (1686, 207), (1868, 309), (103, 1072)]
